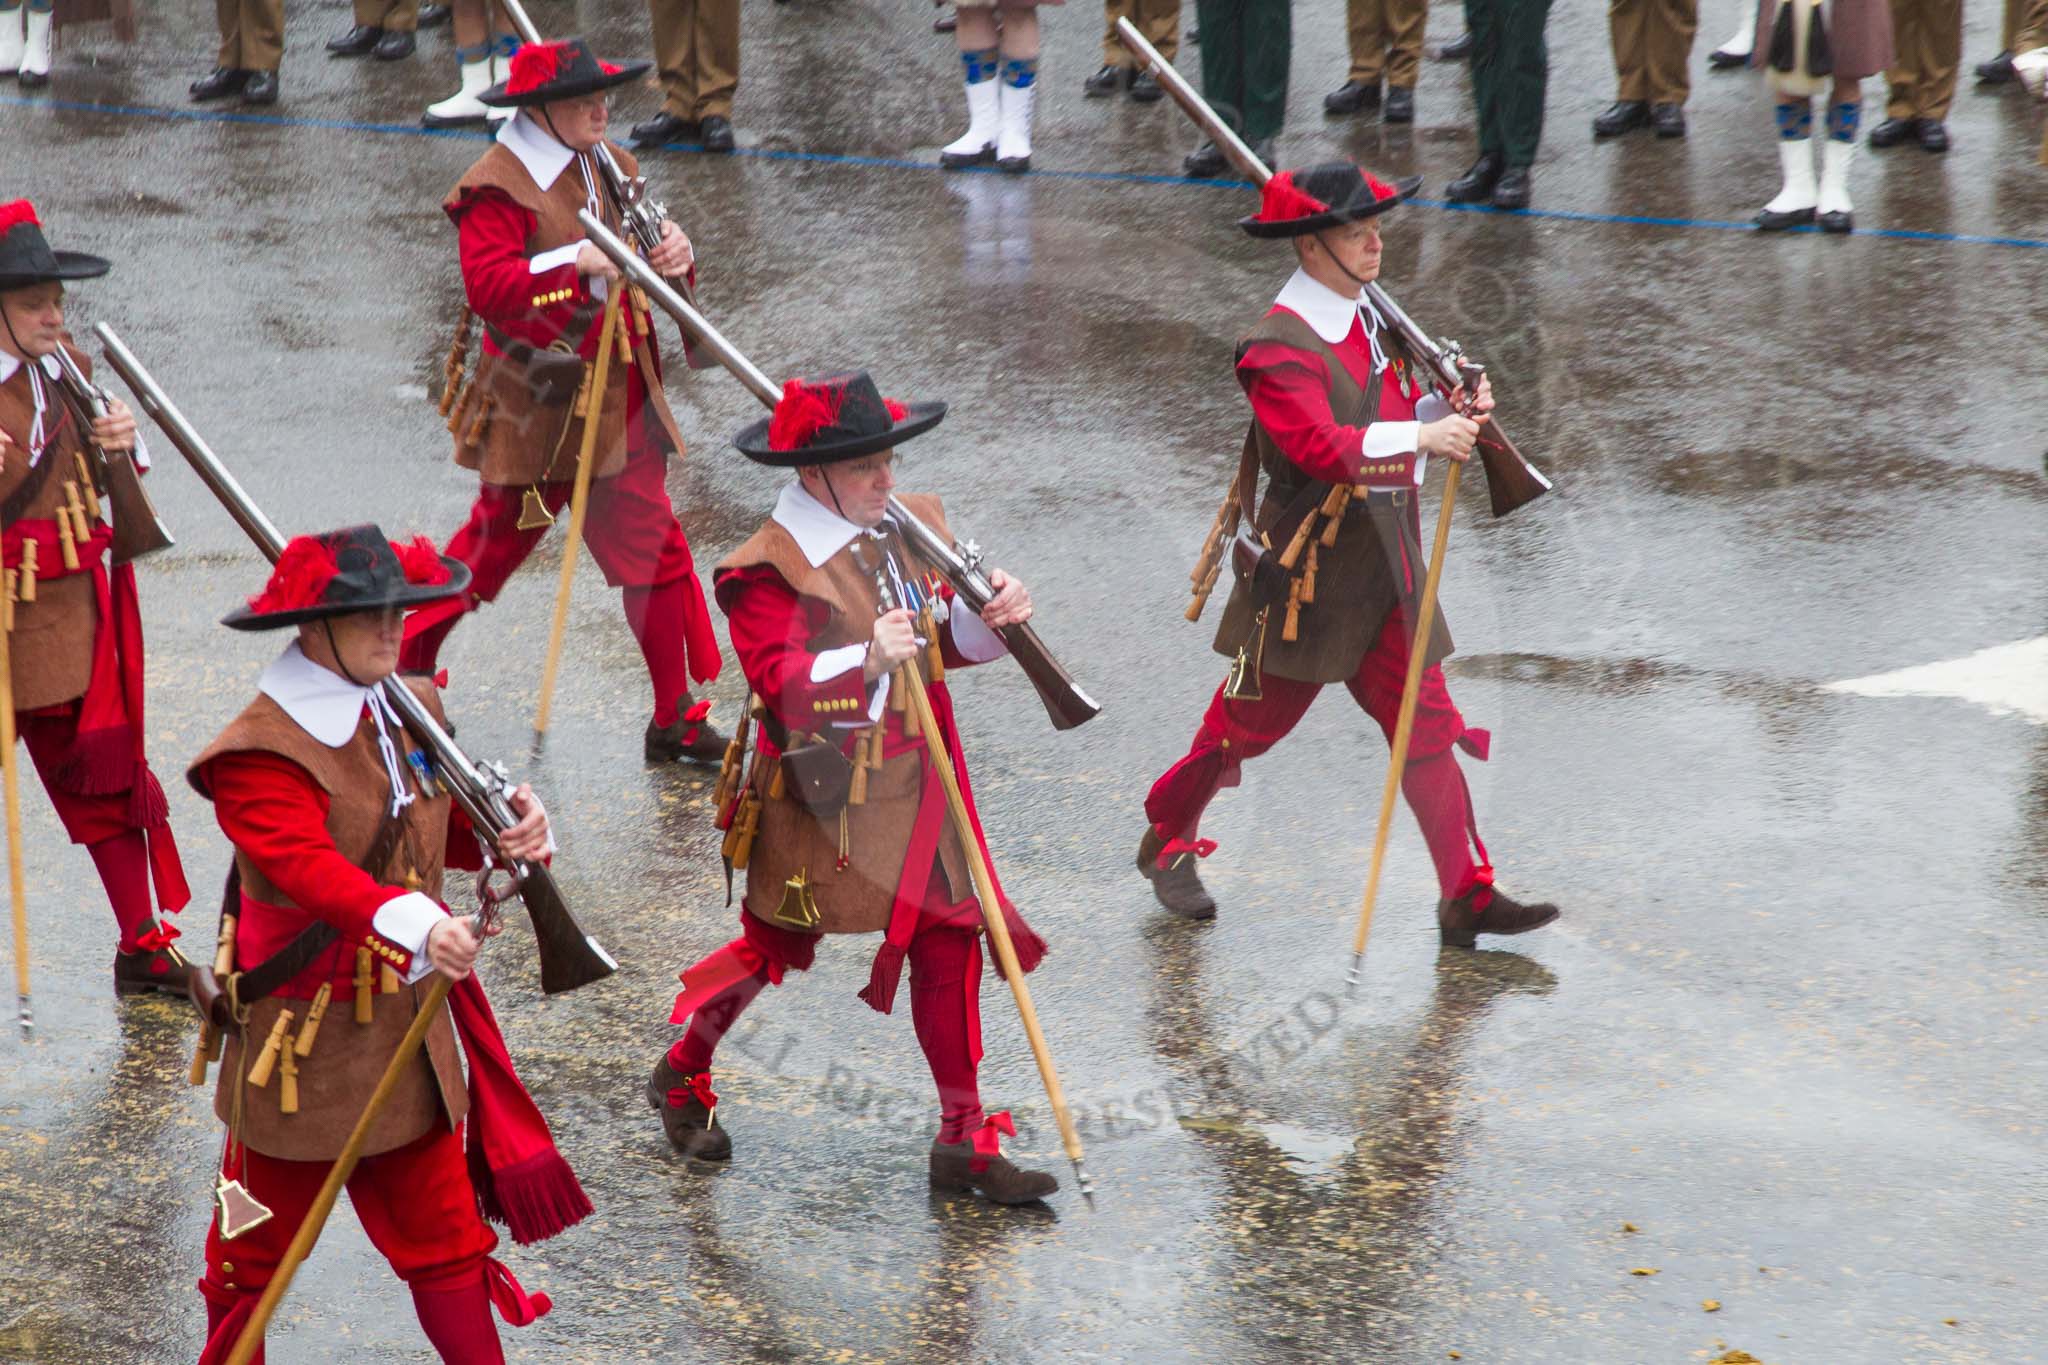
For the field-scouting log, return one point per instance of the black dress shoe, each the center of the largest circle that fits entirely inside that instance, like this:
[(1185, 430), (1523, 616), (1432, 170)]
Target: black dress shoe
[(1769, 220), (660, 130), (394, 46), (1351, 97), (717, 134), (1400, 105), (1933, 135), (1668, 119), (1145, 87), (1837, 221), (261, 89), (219, 83), (1721, 59), (1513, 189), (1475, 186), (357, 42), (1203, 163), (1997, 71), (1892, 132), (1457, 49), (1107, 80), (1622, 116), (433, 16)]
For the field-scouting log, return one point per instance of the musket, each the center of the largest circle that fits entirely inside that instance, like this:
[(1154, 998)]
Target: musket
[(959, 564), (568, 957), (643, 215), (1511, 480), (138, 531)]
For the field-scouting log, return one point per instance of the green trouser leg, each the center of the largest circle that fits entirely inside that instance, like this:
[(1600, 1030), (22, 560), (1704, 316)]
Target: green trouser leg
[(1246, 45), (1510, 69)]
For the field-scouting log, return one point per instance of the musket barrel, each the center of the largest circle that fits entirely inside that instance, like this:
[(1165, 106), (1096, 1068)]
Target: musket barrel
[(676, 306), (191, 444), (1194, 106)]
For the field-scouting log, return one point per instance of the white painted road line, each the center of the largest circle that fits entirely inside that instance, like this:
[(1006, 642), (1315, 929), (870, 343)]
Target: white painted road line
[(2007, 680)]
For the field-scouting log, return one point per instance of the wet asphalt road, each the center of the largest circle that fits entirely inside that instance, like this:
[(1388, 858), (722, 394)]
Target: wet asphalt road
[(1788, 1030)]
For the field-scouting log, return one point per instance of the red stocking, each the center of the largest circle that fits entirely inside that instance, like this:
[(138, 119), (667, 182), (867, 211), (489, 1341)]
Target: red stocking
[(227, 1312), (945, 1007), (656, 617), (692, 1052), (123, 862), (458, 1321), (1435, 788)]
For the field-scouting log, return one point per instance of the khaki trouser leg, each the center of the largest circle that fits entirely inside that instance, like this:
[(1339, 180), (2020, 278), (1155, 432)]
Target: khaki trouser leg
[(1928, 43), (251, 34), (718, 56), (1405, 20), (1670, 27), (1113, 52), (2032, 31), (1365, 22), (1628, 22), (393, 16), (1159, 21)]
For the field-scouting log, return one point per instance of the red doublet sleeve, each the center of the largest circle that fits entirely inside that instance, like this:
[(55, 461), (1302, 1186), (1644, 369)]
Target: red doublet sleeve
[(1290, 396), (497, 275), (276, 814), (770, 623)]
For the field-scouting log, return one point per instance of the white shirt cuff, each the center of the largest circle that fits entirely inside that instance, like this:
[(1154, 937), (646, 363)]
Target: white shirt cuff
[(1383, 440), (406, 921), (972, 637), (545, 261), (141, 452), (833, 663)]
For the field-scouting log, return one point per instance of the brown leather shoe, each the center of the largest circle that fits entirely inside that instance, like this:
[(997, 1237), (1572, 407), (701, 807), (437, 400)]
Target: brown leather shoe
[(164, 969), (1000, 1180), (1459, 923), (695, 740), (689, 1125), (1177, 886)]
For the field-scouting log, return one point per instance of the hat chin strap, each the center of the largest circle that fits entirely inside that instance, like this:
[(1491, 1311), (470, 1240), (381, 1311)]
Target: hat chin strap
[(1334, 260), (327, 625)]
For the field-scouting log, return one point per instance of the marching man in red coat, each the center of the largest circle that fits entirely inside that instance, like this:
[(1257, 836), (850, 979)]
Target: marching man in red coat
[(340, 843), (841, 824), (540, 288), (77, 640), (1336, 400)]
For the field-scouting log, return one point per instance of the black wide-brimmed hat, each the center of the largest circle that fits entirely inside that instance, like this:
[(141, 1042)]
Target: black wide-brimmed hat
[(25, 255), (1298, 202), (832, 418), (336, 573), (557, 71)]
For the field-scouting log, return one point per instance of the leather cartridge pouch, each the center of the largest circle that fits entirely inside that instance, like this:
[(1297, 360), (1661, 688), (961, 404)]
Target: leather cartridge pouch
[(1257, 565), (552, 377), (817, 776)]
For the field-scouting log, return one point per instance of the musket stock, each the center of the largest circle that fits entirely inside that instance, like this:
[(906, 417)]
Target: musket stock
[(1063, 698), (1511, 480), (568, 957), (138, 531)]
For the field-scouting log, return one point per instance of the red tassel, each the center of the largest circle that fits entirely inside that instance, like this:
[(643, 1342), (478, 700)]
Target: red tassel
[(883, 978), (1030, 948), (100, 763), (535, 1199), (147, 808)]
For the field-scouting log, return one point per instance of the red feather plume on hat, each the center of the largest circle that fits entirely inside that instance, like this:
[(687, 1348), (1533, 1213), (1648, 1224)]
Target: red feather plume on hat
[(421, 562), (897, 412), (15, 214), (300, 578), (1284, 201), (802, 413), (532, 66), (1380, 188)]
